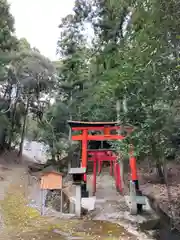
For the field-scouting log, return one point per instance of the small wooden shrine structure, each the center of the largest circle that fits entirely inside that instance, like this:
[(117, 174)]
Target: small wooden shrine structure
[(51, 179)]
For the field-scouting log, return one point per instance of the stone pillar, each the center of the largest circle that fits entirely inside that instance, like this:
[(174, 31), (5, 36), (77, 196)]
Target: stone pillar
[(71, 207), (78, 201)]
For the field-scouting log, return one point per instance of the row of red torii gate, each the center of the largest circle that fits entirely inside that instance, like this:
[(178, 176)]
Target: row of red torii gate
[(86, 132)]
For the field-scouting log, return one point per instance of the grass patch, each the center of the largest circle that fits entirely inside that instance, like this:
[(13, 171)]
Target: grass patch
[(16, 213), (23, 222)]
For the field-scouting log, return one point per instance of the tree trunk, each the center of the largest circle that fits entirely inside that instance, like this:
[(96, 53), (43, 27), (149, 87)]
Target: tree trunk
[(53, 156), (120, 157), (13, 119), (58, 157), (3, 134), (158, 164), (160, 171), (23, 129), (70, 132)]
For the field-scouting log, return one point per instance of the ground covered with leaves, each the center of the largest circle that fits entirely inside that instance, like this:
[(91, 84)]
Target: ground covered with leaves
[(164, 196), (21, 222)]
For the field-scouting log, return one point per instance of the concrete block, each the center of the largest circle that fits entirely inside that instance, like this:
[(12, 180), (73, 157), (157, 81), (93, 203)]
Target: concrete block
[(137, 199), (78, 201), (88, 203)]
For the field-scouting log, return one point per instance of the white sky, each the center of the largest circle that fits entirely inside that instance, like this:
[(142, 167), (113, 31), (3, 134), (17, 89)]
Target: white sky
[(38, 20)]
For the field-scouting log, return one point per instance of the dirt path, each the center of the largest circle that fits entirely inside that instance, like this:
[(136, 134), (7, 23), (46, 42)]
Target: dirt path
[(111, 207)]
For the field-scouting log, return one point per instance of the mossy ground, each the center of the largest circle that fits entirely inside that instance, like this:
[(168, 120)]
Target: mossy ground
[(25, 223)]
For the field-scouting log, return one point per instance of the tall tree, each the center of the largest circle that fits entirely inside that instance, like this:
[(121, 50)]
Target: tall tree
[(8, 43), (143, 72)]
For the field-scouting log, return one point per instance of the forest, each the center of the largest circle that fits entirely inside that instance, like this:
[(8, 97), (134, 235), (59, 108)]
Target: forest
[(109, 51)]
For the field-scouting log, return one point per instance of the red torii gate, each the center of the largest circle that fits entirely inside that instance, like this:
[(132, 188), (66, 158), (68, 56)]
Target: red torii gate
[(109, 132)]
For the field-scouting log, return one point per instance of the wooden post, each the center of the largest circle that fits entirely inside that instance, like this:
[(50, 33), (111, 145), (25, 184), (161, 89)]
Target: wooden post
[(70, 133), (61, 205), (118, 178), (134, 179), (84, 152), (42, 202), (133, 167), (115, 174), (84, 148)]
